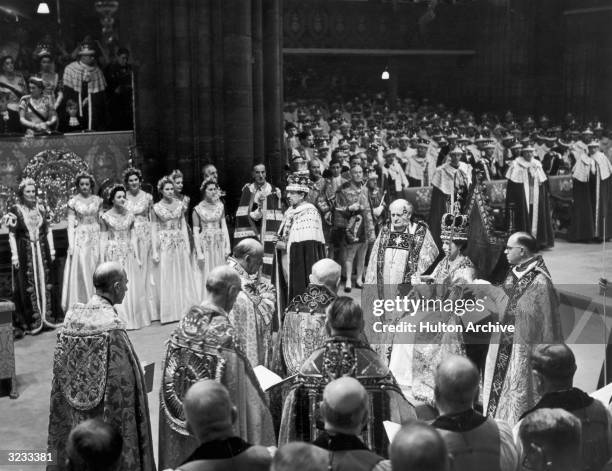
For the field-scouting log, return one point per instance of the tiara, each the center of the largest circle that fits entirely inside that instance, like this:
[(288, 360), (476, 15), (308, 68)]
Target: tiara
[(44, 50)]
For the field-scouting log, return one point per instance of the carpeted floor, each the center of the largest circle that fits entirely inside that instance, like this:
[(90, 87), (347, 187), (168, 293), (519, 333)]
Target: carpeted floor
[(24, 421)]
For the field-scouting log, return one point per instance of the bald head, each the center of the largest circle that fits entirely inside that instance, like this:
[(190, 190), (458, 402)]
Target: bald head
[(300, 456), (456, 384), (400, 205), (249, 254), (345, 406), (223, 286), (326, 272), (110, 281), (209, 410), (419, 447), (106, 274)]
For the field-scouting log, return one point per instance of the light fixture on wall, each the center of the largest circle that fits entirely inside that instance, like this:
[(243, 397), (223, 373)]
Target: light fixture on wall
[(385, 74), (43, 8)]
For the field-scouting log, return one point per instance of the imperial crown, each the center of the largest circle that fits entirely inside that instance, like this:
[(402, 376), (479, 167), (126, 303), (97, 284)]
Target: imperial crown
[(455, 226), (299, 181)]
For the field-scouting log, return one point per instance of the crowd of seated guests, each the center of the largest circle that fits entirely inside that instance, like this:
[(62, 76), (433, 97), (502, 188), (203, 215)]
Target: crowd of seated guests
[(370, 124), (566, 431), (66, 93)]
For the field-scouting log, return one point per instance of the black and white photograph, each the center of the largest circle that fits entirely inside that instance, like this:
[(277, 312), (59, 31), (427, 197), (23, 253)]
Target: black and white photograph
[(305, 235)]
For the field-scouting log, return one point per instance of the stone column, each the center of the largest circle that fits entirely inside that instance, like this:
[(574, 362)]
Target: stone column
[(273, 87), (237, 94)]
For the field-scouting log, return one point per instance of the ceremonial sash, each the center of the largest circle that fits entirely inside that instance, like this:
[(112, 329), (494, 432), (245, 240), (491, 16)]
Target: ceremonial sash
[(402, 241), (35, 111), (506, 341), (12, 89), (272, 216)]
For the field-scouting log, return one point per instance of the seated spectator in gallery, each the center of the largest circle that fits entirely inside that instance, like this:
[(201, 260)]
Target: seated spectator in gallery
[(52, 80), (551, 439), (9, 119), (70, 122), (94, 445), (36, 111), (11, 82)]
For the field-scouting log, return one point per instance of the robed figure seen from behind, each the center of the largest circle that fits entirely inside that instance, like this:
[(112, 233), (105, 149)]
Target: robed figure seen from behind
[(96, 373), (344, 354), (304, 323), (202, 347), (255, 306)]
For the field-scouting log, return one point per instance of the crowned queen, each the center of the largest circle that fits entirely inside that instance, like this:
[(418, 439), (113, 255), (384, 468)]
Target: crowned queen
[(414, 356), (455, 265)]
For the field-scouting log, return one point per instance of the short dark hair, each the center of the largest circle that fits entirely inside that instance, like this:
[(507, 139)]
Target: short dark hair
[(4, 58), (114, 190), (104, 280), (345, 314), (556, 429), (94, 445), (555, 362), (123, 50), (205, 184), (131, 171), (527, 241)]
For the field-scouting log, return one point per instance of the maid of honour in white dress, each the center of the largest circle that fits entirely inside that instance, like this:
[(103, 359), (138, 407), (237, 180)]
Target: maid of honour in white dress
[(211, 237), (174, 272), (83, 243), (118, 244), (140, 204)]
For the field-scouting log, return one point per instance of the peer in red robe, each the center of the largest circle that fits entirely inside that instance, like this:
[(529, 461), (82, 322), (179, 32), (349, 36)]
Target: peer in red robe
[(528, 198)]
